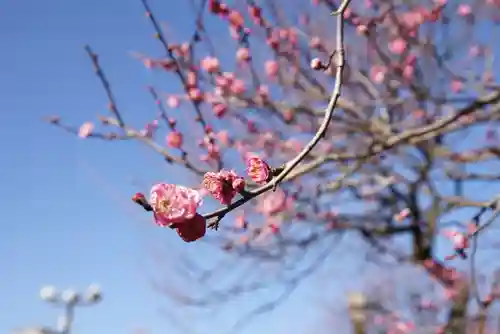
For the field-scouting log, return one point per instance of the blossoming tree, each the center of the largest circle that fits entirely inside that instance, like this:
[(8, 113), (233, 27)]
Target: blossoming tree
[(320, 119)]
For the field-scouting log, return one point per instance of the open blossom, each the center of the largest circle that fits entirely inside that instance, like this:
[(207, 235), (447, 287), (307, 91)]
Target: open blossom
[(173, 204), (192, 229), (258, 169), (223, 185), (86, 130)]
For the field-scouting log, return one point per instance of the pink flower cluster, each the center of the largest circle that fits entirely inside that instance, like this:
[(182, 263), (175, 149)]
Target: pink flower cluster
[(223, 185)]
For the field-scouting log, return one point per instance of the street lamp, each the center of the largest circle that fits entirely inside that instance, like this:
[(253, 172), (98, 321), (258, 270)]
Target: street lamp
[(67, 299), (35, 330)]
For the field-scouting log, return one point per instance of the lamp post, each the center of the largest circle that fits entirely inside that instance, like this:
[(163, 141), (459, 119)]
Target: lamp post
[(68, 300)]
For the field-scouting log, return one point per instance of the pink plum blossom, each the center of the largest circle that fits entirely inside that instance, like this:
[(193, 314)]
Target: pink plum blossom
[(258, 170), (173, 204)]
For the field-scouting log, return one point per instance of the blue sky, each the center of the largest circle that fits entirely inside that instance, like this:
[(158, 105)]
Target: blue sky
[(66, 215), (65, 209)]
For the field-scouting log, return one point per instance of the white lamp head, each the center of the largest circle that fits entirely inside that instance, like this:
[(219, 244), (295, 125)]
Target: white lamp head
[(93, 293), (48, 293)]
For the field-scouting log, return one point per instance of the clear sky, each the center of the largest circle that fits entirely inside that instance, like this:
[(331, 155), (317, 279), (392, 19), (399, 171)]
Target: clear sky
[(65, 212)]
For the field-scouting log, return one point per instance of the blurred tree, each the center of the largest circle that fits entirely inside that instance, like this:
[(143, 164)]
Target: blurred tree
[(396, 160)]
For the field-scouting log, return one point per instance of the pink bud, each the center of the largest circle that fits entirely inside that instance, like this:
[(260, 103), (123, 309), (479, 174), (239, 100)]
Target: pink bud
[(223, 137), (347, 13), (456, 86), (240, 222), (256, 14), (221, 81), (271, 68), (316, 64), (174, 139), (86, 130), (398, 46), (263, 92), (191, 79), (408, 72), (362, 29), (219, 109), (239, 184), (210, 64), (243, 55), (273, 42), (216, 7), (148, 63), (236, 19), (238, 87), (275, 229), (402, 215), (464, 10), (195, 95), (377, 73), (173, 101), (315, 43), (475, 50)]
